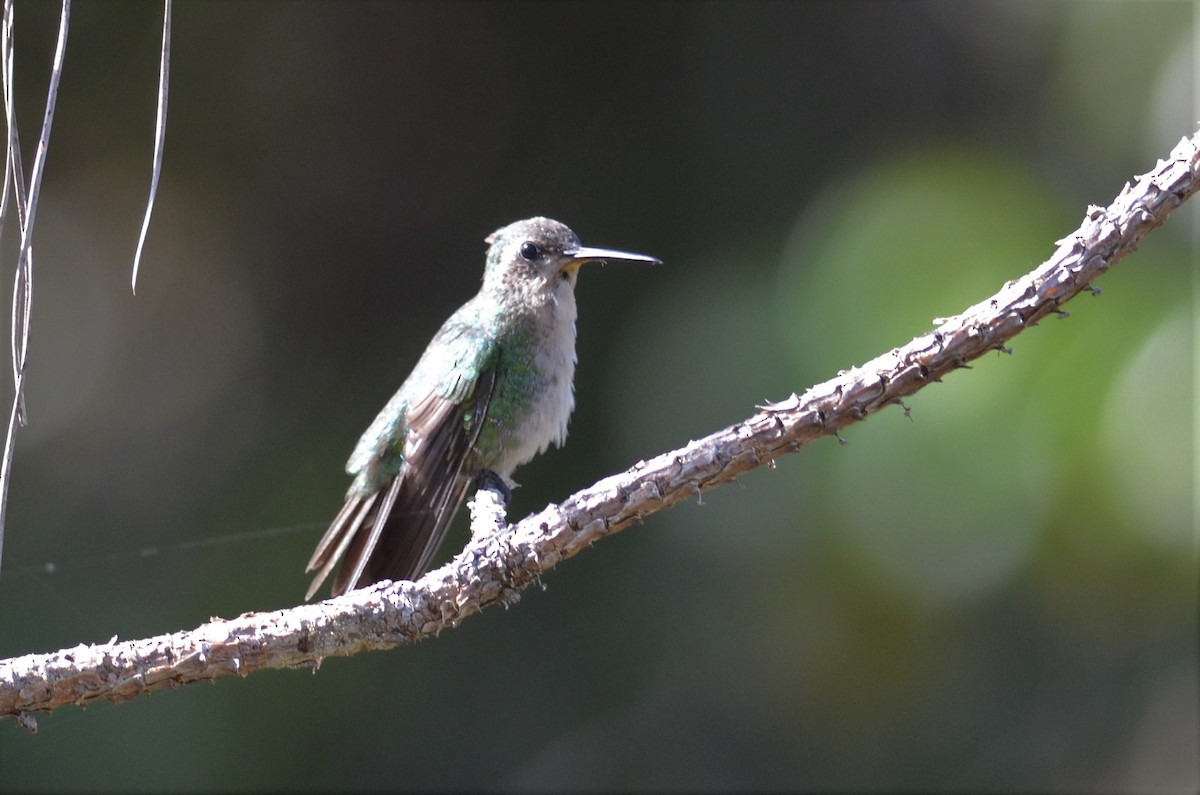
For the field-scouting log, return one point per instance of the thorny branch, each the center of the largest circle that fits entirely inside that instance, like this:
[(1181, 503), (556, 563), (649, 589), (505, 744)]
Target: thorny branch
[(502, 560)]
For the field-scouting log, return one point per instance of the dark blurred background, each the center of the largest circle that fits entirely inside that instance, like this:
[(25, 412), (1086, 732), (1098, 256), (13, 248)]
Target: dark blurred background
[(1000, 594)]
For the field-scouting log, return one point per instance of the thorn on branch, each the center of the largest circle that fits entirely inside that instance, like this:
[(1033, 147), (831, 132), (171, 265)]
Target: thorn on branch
[(980, 331), (779, 426), (1143, 215), (27, 721), (787, 404)]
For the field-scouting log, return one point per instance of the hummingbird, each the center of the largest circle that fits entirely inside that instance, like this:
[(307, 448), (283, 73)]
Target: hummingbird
[(494, 388)]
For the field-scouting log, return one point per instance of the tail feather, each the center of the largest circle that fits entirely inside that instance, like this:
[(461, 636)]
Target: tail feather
[(342, 531), (389, 535), (416, 528), (365, 541)]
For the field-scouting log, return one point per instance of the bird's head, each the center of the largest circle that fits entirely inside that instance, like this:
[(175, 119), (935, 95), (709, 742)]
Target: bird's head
[(542, 255)]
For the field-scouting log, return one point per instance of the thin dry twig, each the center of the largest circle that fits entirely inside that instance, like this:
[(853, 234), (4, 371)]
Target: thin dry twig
[(27, 212), (160, 125), (14, 171), (501, 560)]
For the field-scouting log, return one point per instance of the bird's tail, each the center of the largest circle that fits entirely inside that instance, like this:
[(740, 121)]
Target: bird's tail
[(389, 535)]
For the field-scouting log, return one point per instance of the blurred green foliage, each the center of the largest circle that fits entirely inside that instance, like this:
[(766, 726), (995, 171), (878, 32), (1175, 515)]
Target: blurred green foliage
[(999, 592)]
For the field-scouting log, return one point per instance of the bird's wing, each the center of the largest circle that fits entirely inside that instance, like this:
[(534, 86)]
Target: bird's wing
[(392, 532)]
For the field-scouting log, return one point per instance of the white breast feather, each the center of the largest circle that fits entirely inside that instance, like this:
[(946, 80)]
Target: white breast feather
[(555, 358)]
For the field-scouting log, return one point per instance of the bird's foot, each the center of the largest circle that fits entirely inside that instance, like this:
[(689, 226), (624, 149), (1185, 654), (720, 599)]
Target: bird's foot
[(487, 480)]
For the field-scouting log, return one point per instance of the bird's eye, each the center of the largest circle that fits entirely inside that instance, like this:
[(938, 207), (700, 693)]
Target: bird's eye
[(530, 252)]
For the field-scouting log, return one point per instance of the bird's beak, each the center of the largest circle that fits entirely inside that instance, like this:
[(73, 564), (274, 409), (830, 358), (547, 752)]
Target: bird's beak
[(584, 254)]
